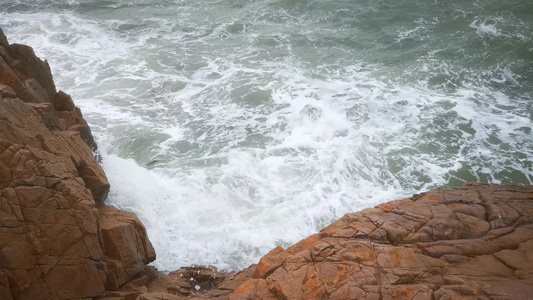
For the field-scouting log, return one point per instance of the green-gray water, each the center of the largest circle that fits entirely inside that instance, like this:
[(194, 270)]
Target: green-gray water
[(231, 127)]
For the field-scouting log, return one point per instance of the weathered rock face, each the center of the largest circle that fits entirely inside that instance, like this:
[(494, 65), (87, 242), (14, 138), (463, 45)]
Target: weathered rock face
[(127, 247), (57, 240), (474, 242)]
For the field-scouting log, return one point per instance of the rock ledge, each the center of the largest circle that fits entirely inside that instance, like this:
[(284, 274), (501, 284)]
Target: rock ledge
[(473, 242)]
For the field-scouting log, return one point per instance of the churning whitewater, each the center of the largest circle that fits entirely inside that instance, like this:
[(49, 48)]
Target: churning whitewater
[(231, 127)]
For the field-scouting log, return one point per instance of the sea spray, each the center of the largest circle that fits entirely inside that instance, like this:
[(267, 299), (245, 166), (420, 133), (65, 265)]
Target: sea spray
[(231, 127)]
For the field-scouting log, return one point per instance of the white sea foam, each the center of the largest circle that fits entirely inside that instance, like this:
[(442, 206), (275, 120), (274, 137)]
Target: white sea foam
[(422, 28), (227, 142), (485, 28)]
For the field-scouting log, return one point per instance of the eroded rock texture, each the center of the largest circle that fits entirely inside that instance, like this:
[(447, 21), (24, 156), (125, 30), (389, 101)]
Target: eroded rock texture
[(57, 239), (474, 242)]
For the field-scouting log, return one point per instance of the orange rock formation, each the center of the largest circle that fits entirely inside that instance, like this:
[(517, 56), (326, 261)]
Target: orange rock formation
[(57, 239)]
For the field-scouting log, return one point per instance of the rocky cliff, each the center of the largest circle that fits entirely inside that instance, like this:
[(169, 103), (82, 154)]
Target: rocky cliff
[(57, 239)]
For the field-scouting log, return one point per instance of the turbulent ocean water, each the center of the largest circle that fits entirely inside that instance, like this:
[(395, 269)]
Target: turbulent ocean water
[(232, 126)]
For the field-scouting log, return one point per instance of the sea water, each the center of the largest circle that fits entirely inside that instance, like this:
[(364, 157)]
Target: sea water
[(230, 127)]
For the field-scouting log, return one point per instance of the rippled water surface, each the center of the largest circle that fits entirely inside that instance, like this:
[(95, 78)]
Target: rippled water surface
[(231, 127)]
